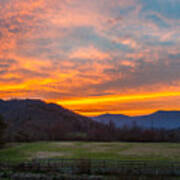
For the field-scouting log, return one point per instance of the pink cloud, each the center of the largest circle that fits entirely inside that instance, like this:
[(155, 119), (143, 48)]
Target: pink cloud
[(89, 53)]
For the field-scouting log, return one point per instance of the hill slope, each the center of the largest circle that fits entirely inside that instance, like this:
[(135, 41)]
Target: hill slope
[(37, 120)]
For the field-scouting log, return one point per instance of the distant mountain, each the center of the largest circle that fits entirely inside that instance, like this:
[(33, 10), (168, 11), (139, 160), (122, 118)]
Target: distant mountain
[(119, 119), (159, 119), (37, 120)]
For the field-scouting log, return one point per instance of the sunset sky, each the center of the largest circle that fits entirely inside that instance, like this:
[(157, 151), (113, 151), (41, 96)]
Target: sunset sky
[(92, 56)]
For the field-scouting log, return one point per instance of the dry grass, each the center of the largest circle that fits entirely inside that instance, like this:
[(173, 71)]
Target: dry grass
[(100, 149), (48, 154), (64, 144), (147, 150)]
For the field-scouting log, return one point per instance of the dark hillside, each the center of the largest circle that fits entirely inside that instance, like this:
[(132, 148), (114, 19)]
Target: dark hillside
[(30, 120)]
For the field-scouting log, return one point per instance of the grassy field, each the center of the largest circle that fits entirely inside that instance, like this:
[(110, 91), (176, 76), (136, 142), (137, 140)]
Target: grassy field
[(121, 151)]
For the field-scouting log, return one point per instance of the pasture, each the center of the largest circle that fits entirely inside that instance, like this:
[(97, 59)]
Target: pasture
[(18, 152)]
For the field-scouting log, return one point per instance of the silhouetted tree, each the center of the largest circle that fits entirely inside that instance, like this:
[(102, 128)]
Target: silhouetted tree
[(2, 130)]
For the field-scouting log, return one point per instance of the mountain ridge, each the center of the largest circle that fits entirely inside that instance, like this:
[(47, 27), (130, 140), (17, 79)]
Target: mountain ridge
[(160, 119), (155, 112)]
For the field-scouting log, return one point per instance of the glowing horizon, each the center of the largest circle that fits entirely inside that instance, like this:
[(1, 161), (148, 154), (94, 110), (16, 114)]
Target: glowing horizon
[(74, 104)]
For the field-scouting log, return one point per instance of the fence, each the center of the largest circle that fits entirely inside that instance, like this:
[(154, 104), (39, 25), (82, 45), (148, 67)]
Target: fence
[(92, 167)]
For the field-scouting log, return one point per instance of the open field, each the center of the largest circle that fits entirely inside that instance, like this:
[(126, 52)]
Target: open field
[(116, 150)]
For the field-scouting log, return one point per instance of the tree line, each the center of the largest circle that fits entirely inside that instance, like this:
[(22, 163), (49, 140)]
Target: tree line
[(92, 132)]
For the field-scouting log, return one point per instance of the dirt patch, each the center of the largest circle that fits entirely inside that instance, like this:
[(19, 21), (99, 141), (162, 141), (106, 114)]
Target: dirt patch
[(48, 154)]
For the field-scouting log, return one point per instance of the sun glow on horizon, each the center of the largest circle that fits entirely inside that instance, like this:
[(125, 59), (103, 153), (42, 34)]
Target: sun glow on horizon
[(84, 105)]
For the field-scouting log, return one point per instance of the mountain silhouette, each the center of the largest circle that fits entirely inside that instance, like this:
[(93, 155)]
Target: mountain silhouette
[(37, 120), (158, 120)]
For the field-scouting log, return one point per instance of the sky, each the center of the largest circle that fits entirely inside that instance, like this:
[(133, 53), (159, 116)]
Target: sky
[(92, 56)]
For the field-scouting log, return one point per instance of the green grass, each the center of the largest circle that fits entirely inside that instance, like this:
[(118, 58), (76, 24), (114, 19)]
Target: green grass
[(121, 151)]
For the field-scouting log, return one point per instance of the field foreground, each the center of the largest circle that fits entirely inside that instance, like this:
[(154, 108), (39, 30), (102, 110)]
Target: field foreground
[(91, 150)]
